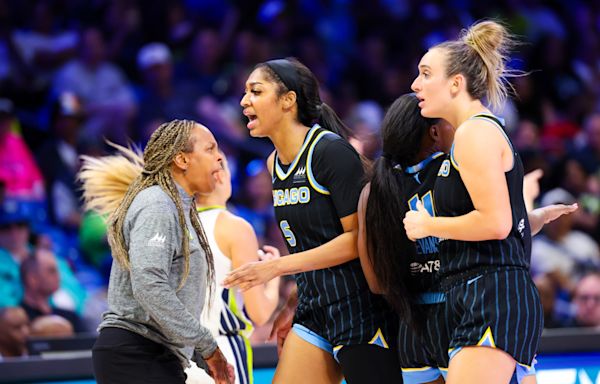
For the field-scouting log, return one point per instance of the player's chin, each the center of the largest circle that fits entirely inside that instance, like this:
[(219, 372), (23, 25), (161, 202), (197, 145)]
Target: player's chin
[(426, 112), (254, 132)]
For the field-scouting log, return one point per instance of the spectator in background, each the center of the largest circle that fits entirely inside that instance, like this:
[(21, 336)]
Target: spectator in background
[(364, 121), (122, 24), (204, 63), (107, 97), (14, 234), (17, 166), (15, 247), (2, 191), (159, 97), (59, 161), (555, 308), (588, 151), (527, 136), (14, 331), (45, 46), (40, 277), (51, 326), (587, 301), (94, 243)]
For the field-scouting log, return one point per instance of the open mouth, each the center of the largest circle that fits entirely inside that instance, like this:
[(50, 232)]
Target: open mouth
[(251, 120)]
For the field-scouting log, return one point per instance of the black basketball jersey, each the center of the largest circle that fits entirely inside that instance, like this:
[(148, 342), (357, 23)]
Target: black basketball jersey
[(319, 187), (451, 198), (420, 180)]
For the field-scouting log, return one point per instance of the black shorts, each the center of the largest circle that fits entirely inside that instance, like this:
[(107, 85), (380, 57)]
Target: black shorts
[(421, 358), (496, 308), (362, 318)]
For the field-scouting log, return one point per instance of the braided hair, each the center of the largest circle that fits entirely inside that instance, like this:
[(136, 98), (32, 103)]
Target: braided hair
[(110, 184)]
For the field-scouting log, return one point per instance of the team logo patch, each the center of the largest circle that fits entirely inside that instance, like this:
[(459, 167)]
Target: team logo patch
[(157, 241)]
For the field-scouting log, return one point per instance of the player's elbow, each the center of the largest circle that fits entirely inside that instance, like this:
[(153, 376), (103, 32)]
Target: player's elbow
[(259, 316), (501, 228)]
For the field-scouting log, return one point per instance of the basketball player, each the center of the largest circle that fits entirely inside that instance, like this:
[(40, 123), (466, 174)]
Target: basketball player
[(492, 307), (316, 184), (233, 243), (413, 151)]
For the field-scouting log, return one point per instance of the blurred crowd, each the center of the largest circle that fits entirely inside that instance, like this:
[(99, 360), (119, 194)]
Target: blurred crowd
[(75, 73)]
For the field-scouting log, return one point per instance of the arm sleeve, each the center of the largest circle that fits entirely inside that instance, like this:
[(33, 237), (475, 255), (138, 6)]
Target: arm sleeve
[(337, 166), (154, 242)]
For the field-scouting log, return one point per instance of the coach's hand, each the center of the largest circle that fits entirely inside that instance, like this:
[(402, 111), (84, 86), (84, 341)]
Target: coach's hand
[(252, 274), (282, 326), (415, 222), (219, 369)]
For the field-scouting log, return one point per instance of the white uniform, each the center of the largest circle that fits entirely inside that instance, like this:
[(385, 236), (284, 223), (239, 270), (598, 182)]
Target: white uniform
[(224, 316)]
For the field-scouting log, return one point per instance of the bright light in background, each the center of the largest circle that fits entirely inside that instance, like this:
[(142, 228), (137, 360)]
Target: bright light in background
[(569, 376)]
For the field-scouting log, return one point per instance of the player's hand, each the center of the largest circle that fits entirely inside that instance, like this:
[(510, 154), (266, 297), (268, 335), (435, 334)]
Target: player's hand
[(251, 274), (282, 326), (554, 211), (415, 222), (268, 253), (219, 369)]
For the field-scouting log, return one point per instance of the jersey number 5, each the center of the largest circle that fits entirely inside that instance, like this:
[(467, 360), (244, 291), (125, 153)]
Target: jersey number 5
[(287, 233), (426, 200)]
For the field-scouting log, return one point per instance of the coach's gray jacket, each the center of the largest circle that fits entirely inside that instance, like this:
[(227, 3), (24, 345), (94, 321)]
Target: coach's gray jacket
[(145, 299)]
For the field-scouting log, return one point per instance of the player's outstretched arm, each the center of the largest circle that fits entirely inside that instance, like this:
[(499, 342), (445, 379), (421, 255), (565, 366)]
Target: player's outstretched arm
[(335, 252)]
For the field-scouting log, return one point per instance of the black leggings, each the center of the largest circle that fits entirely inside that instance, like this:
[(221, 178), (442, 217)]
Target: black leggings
[(367, 363), (121, 356)]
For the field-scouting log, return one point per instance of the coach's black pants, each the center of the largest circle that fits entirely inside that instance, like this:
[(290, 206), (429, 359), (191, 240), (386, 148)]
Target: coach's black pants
[(121, 356)]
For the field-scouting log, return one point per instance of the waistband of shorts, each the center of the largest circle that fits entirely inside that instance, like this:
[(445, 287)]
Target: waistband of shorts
[(449, 281), (431, 298)]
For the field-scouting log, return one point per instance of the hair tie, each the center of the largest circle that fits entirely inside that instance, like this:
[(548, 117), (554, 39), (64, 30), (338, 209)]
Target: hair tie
[(470, 42), (389, 157)]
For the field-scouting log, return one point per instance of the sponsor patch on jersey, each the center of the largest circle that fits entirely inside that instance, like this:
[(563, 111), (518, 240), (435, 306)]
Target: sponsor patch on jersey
[(429, 266), (157, 241), (300, 175)]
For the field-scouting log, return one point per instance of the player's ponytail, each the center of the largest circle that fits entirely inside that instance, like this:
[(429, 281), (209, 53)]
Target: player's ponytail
[(329, 120), (105, 180), (388, 247), (390, 251), (480, 54)]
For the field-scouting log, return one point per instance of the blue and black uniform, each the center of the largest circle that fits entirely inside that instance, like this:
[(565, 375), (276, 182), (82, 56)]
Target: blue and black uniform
[(490, 297), (335, 306), (417, 353)]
